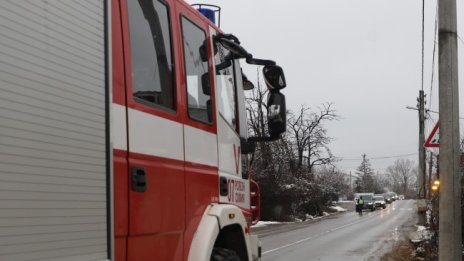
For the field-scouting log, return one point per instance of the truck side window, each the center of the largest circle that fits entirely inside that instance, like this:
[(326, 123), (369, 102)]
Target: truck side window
[(151, 56), (197, 72), (225, 86)]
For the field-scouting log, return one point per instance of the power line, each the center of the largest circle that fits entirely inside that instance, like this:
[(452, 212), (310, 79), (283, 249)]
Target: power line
[(423, 25), (381, 157), (461, 118), (433, 56)]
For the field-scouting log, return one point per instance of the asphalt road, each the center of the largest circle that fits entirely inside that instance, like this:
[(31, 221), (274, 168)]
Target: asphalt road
[(347, 236)]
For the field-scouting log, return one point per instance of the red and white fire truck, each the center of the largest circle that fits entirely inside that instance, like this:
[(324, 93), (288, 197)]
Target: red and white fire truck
[(123, 133)]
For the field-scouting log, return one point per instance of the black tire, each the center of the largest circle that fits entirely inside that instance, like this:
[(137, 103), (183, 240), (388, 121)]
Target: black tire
[(223, 254)]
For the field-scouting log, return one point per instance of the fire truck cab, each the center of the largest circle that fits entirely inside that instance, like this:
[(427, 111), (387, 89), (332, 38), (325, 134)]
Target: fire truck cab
[(123, 133)]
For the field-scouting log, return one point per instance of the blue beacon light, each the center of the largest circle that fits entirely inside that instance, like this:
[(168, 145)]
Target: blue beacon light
[(208, 13)]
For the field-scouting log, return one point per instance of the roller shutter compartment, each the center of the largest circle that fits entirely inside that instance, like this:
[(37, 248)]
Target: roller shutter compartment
[(53, 163)]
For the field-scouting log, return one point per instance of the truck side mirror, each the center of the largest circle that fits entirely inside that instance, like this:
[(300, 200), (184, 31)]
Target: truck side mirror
[(204, 51), (206, 84), (274, 77), (247, 146), (276, 114)]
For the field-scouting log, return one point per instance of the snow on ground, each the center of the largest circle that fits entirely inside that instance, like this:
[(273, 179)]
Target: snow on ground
[(420, 235), (267, 223), (308, 217), (420, 228), (338, 208)]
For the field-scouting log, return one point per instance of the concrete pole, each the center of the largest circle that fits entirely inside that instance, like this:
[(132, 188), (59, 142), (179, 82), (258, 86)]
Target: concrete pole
[(450, 185)]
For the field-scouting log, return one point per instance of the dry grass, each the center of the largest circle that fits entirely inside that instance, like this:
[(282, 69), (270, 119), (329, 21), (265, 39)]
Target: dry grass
[(401, 251), (406, 251)]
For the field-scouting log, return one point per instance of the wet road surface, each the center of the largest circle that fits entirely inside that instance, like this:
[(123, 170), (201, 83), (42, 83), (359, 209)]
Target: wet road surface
[(347, 236)]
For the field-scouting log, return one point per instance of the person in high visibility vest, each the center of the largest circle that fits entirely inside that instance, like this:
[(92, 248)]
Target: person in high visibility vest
[(359, 205)]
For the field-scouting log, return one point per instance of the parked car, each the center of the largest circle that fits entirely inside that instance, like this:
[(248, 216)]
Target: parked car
[(401, 197), (379, 201)]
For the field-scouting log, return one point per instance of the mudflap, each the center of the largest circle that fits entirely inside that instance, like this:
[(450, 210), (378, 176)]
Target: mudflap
[(255, 248)]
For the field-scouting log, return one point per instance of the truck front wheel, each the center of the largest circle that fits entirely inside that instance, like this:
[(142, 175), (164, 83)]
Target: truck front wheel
[(223, 254)]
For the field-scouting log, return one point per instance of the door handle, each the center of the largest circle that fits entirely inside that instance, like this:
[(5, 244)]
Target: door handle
[(138, 179)]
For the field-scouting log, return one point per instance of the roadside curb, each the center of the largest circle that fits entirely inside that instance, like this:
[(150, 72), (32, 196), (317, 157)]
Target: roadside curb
[(289, 226)]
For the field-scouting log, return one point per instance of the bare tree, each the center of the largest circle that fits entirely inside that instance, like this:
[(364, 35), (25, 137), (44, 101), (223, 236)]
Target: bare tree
[(308, 133), (402, 175), (334, 180), (280, 166)]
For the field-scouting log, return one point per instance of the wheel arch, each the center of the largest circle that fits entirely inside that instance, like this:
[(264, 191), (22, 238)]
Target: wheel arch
[(221, 226), (231, 237)]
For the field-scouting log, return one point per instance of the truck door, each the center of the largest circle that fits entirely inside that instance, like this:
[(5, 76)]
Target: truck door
[(155, 133), (200, 140), (231, 126)]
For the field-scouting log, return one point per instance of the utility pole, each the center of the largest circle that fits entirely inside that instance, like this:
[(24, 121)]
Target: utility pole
[(351, 187), (422, 179), (449, 246)]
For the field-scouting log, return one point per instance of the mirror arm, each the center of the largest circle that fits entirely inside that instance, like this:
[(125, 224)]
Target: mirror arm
[(263, 139), (236, 49), (248, 146), (229, 37), (251, 60), (223, 65)]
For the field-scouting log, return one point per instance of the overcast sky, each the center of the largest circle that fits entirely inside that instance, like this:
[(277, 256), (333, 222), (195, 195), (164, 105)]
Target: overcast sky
[(362, 55)]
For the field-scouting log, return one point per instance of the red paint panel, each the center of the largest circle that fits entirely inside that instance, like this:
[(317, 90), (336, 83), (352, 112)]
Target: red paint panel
[(121, 195), (165, 247), (120, 163), (201, 184), (120, 248), (117, 55), (158, 214)]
